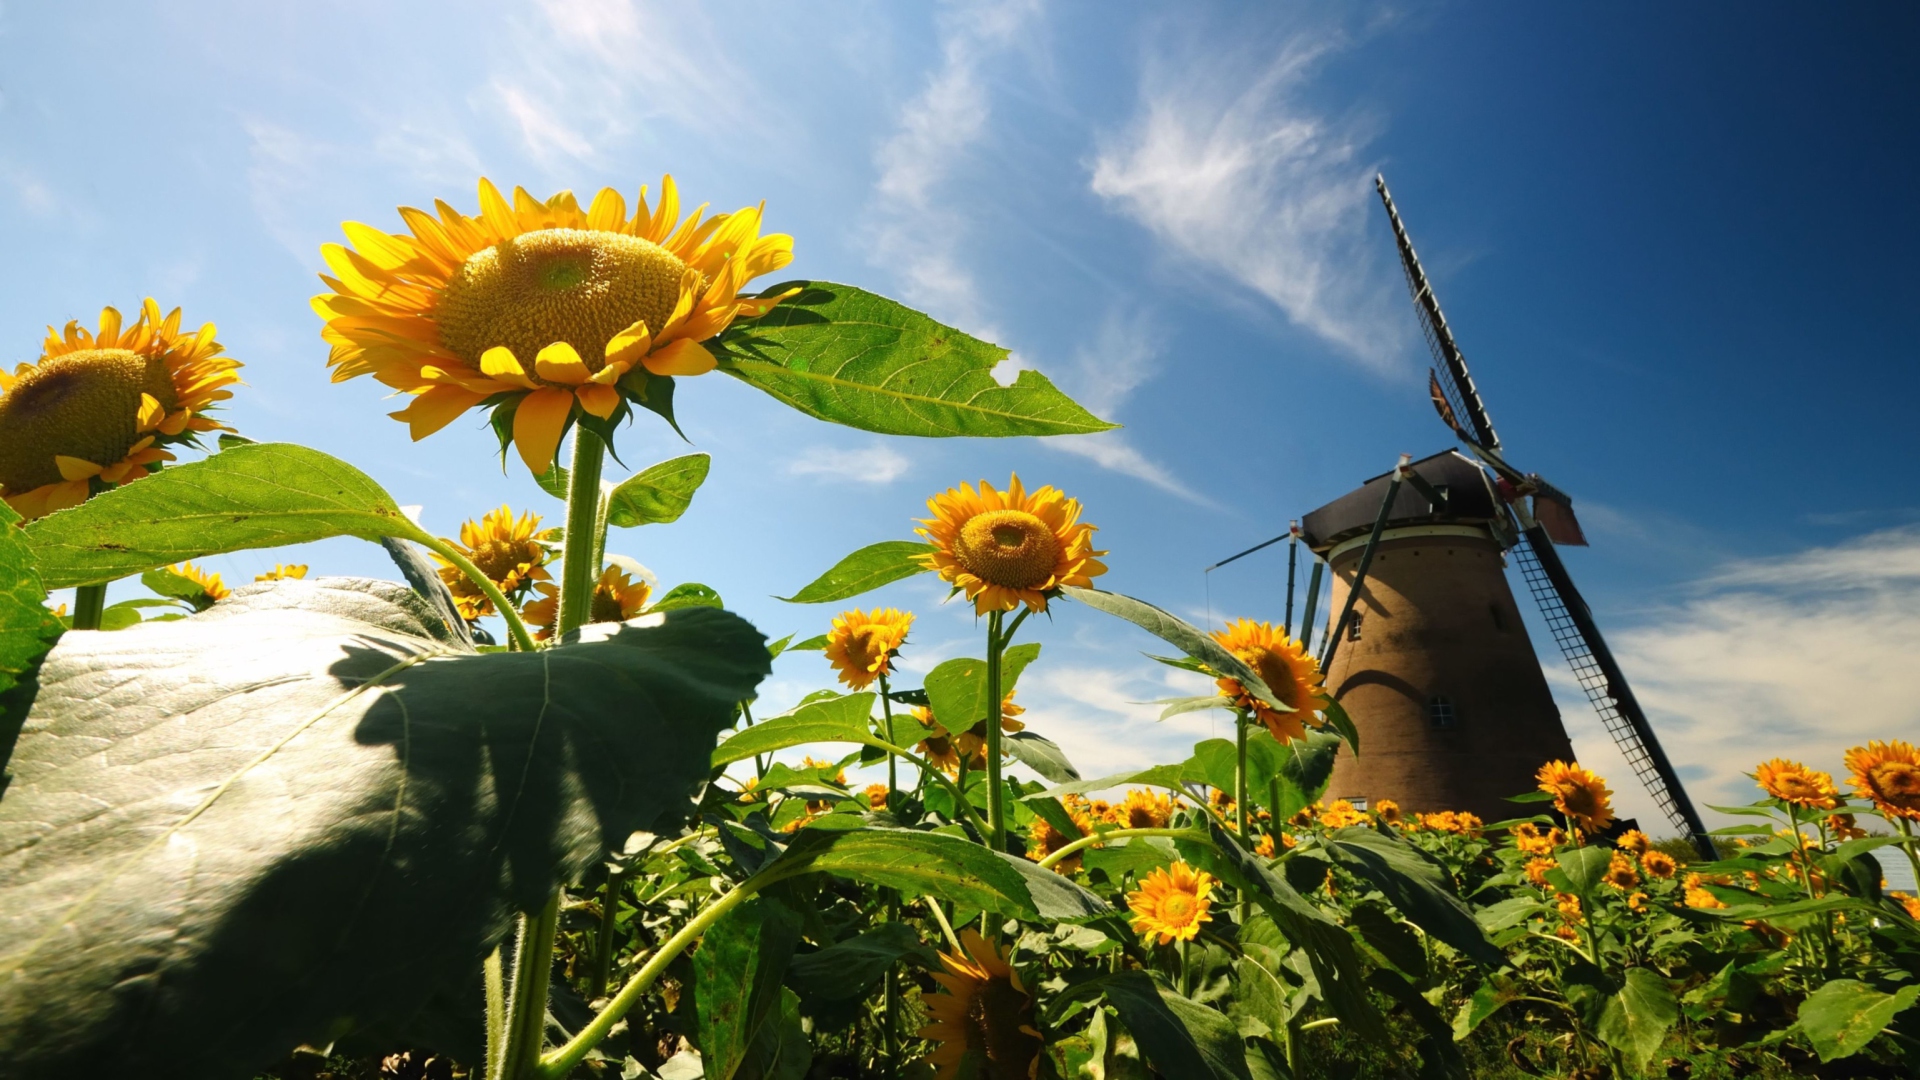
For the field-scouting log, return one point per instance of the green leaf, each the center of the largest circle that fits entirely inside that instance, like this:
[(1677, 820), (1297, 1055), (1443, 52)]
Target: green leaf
[(1305, 767), (849, 970), (1487, 999), (1329, 949), (1639, 1015), (314, 777), (692, 594), (1844, 1015), (555, 480), (840, 719), (1585, 867), (949, 867), (957, 688), (259, 496), (1439, 1056), (1340, 722), (1416, 884), (782, 1050), (1177, 706), (1042, 755), (737, 979), (813, 644), (863, 571), (1180, 1038), (27, 628), (845, 355), (659, 494), (1177, 632)]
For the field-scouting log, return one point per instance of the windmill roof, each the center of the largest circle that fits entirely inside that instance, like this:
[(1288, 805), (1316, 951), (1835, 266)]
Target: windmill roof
[(1469, 501)]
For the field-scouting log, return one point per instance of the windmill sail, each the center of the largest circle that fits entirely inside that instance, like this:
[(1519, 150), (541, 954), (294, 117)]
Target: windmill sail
[(1567, 615)]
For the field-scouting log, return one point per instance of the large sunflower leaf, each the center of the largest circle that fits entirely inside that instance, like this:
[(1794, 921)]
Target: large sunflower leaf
[(946, 866), (1417, 885), (1177, 632), (258, 496), (863, 571), (309, 812), (658, 494), (737, 979), (846, 355), (1180, 1037), (837, 719), (27, 630)]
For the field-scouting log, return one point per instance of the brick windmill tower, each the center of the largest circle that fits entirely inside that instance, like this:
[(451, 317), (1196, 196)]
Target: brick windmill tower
[(1428, 654)]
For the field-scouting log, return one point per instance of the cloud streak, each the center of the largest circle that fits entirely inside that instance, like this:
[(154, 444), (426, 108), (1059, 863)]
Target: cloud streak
[(1798, 657), (1228, 169)]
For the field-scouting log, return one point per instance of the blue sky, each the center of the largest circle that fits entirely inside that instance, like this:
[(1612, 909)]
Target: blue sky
[(1675, 245)]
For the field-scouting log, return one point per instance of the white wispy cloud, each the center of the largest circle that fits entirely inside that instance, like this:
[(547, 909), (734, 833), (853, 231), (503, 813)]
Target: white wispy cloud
[(1103, 717), (875, 464), (918, 234), (1122, 355), (1798, 657), (1229, 169), (588, 74)]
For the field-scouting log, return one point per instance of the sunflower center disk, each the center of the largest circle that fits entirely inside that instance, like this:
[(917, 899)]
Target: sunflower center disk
[(1177, 908), (1009, 548), (498, 558), (83, 404), (579, 286), (997, 1012)]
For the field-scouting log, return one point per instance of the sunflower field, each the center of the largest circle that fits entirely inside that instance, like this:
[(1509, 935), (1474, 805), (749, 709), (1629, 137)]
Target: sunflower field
[(322, 826)]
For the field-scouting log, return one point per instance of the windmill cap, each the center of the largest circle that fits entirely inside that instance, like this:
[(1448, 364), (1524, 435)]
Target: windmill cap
[(1469, 502)]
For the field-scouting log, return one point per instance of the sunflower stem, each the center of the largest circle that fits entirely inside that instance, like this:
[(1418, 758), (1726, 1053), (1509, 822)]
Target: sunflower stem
[(1240, 792), (578, 567), (89, 601), (557, 1064), (1913, 859), (516, 628), (526, 1026), (1054, 858), (603, 945), (940, 916), (493, 977), (996, 823), (886, 734)]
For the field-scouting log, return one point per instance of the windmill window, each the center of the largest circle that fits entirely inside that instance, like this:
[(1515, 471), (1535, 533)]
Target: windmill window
[(1353, 628), (1358, 802), (1440, 711)]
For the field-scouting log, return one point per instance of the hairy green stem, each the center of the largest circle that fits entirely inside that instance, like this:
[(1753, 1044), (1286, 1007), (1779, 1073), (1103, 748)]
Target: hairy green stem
[(527, 1016), (886, 720), (1054, 858), (996, 813), (89, 601), (493, 976), (557, 1064), (515, 627), (603, 944), (940, 916), (1240, 792), (578, 569)]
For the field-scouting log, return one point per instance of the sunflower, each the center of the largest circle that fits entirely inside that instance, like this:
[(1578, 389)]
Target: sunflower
[(876, 796), (1634, 842), (1537, 870), (1697, 894), (1340, 814), (937, 747), (1006, 548), (1569, 908), (542, 312), (508, 551), (1889, 774), (616, 598), (1578, 793), (103, 406), (985, 1011), (1621, 873), (972, 743), (283, 572), (1843, 828), (212, 589), (1388, 811), (1264, 846), (1283, 664), (1171, 903), (1637, 903), (1143, 808), (1045, 839), (861, 645), (1792, 782), (1529, 839), (1659, 864)]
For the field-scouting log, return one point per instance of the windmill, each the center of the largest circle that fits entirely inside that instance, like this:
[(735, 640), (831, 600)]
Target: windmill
[(1538, 517)]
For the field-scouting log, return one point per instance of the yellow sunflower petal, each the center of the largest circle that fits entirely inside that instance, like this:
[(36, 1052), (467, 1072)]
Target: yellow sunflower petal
[(561, 363), (538, 423), (500, 363), (682, 357), (436, 409)]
